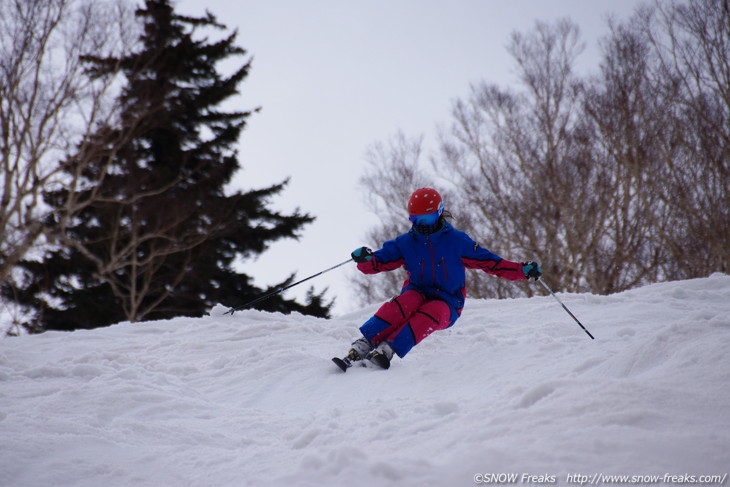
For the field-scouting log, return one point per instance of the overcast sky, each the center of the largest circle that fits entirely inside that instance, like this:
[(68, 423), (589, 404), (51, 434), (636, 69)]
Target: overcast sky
[(334, 76)]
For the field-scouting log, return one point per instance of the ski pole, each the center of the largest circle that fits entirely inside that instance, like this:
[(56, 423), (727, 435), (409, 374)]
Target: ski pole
[(566, 308), (282, 289)]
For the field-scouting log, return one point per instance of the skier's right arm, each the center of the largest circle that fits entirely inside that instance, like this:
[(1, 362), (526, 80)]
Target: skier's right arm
[(386, 259)]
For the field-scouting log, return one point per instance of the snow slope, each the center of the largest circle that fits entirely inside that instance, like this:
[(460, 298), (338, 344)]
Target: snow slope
[(253, 399)]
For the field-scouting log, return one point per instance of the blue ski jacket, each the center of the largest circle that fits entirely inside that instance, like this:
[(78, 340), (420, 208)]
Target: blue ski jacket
[(435, 264)]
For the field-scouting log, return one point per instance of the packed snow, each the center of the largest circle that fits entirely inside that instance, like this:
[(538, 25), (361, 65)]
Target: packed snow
[(514, 388)]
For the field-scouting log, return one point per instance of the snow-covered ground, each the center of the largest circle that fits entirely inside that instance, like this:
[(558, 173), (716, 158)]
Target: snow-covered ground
[(253, 399)]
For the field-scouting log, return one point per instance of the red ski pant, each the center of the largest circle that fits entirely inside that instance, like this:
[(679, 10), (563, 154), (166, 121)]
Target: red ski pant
[(406, 320)]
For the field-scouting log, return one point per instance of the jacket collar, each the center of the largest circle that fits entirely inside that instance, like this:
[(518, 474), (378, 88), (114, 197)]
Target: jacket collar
[(444, 229)]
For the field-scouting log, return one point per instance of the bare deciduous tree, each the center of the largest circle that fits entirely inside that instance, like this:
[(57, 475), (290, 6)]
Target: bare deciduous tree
[(519, 161), (610, 181), (628, 124), (394, 169), (47, 105), (692, 43), (146, 229)]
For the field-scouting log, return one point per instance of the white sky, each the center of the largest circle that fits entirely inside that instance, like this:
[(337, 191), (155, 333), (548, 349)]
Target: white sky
[(334, 76)]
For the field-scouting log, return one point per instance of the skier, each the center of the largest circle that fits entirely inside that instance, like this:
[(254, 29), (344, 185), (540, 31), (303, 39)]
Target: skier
[(434, 254)]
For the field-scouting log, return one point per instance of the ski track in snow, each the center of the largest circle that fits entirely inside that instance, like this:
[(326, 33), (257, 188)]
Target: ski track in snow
[(253, 399)]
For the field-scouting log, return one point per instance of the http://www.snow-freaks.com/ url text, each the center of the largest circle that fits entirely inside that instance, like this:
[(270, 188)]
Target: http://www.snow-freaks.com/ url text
[(599, 479)]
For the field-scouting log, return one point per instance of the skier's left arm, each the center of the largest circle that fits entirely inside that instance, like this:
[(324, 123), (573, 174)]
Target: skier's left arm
[(474, 256)]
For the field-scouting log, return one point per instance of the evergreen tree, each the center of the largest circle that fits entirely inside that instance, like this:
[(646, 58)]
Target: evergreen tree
[(159, 236)]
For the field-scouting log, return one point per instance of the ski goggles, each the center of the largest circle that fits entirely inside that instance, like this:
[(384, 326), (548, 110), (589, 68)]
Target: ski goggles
[(427, 219)]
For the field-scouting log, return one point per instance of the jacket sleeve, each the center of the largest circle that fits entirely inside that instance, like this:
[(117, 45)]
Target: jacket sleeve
[(388, 258), (475, 256)]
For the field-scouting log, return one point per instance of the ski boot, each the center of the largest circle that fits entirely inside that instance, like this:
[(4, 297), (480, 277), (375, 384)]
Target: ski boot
[(381, 355), (360, 349)]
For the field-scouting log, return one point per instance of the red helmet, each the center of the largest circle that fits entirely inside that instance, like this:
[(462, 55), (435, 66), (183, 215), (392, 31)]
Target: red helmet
[(425, 201)]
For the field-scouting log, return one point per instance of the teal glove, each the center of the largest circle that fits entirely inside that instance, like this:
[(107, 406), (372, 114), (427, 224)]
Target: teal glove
[(532, 270), (363, 254)]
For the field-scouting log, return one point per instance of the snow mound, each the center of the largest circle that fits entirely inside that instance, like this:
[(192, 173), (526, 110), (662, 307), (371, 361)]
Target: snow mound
[(253, 399)]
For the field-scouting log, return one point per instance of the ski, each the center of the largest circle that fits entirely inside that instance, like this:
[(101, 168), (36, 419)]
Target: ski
[(342, 363), (362, 350), (381, 361)]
